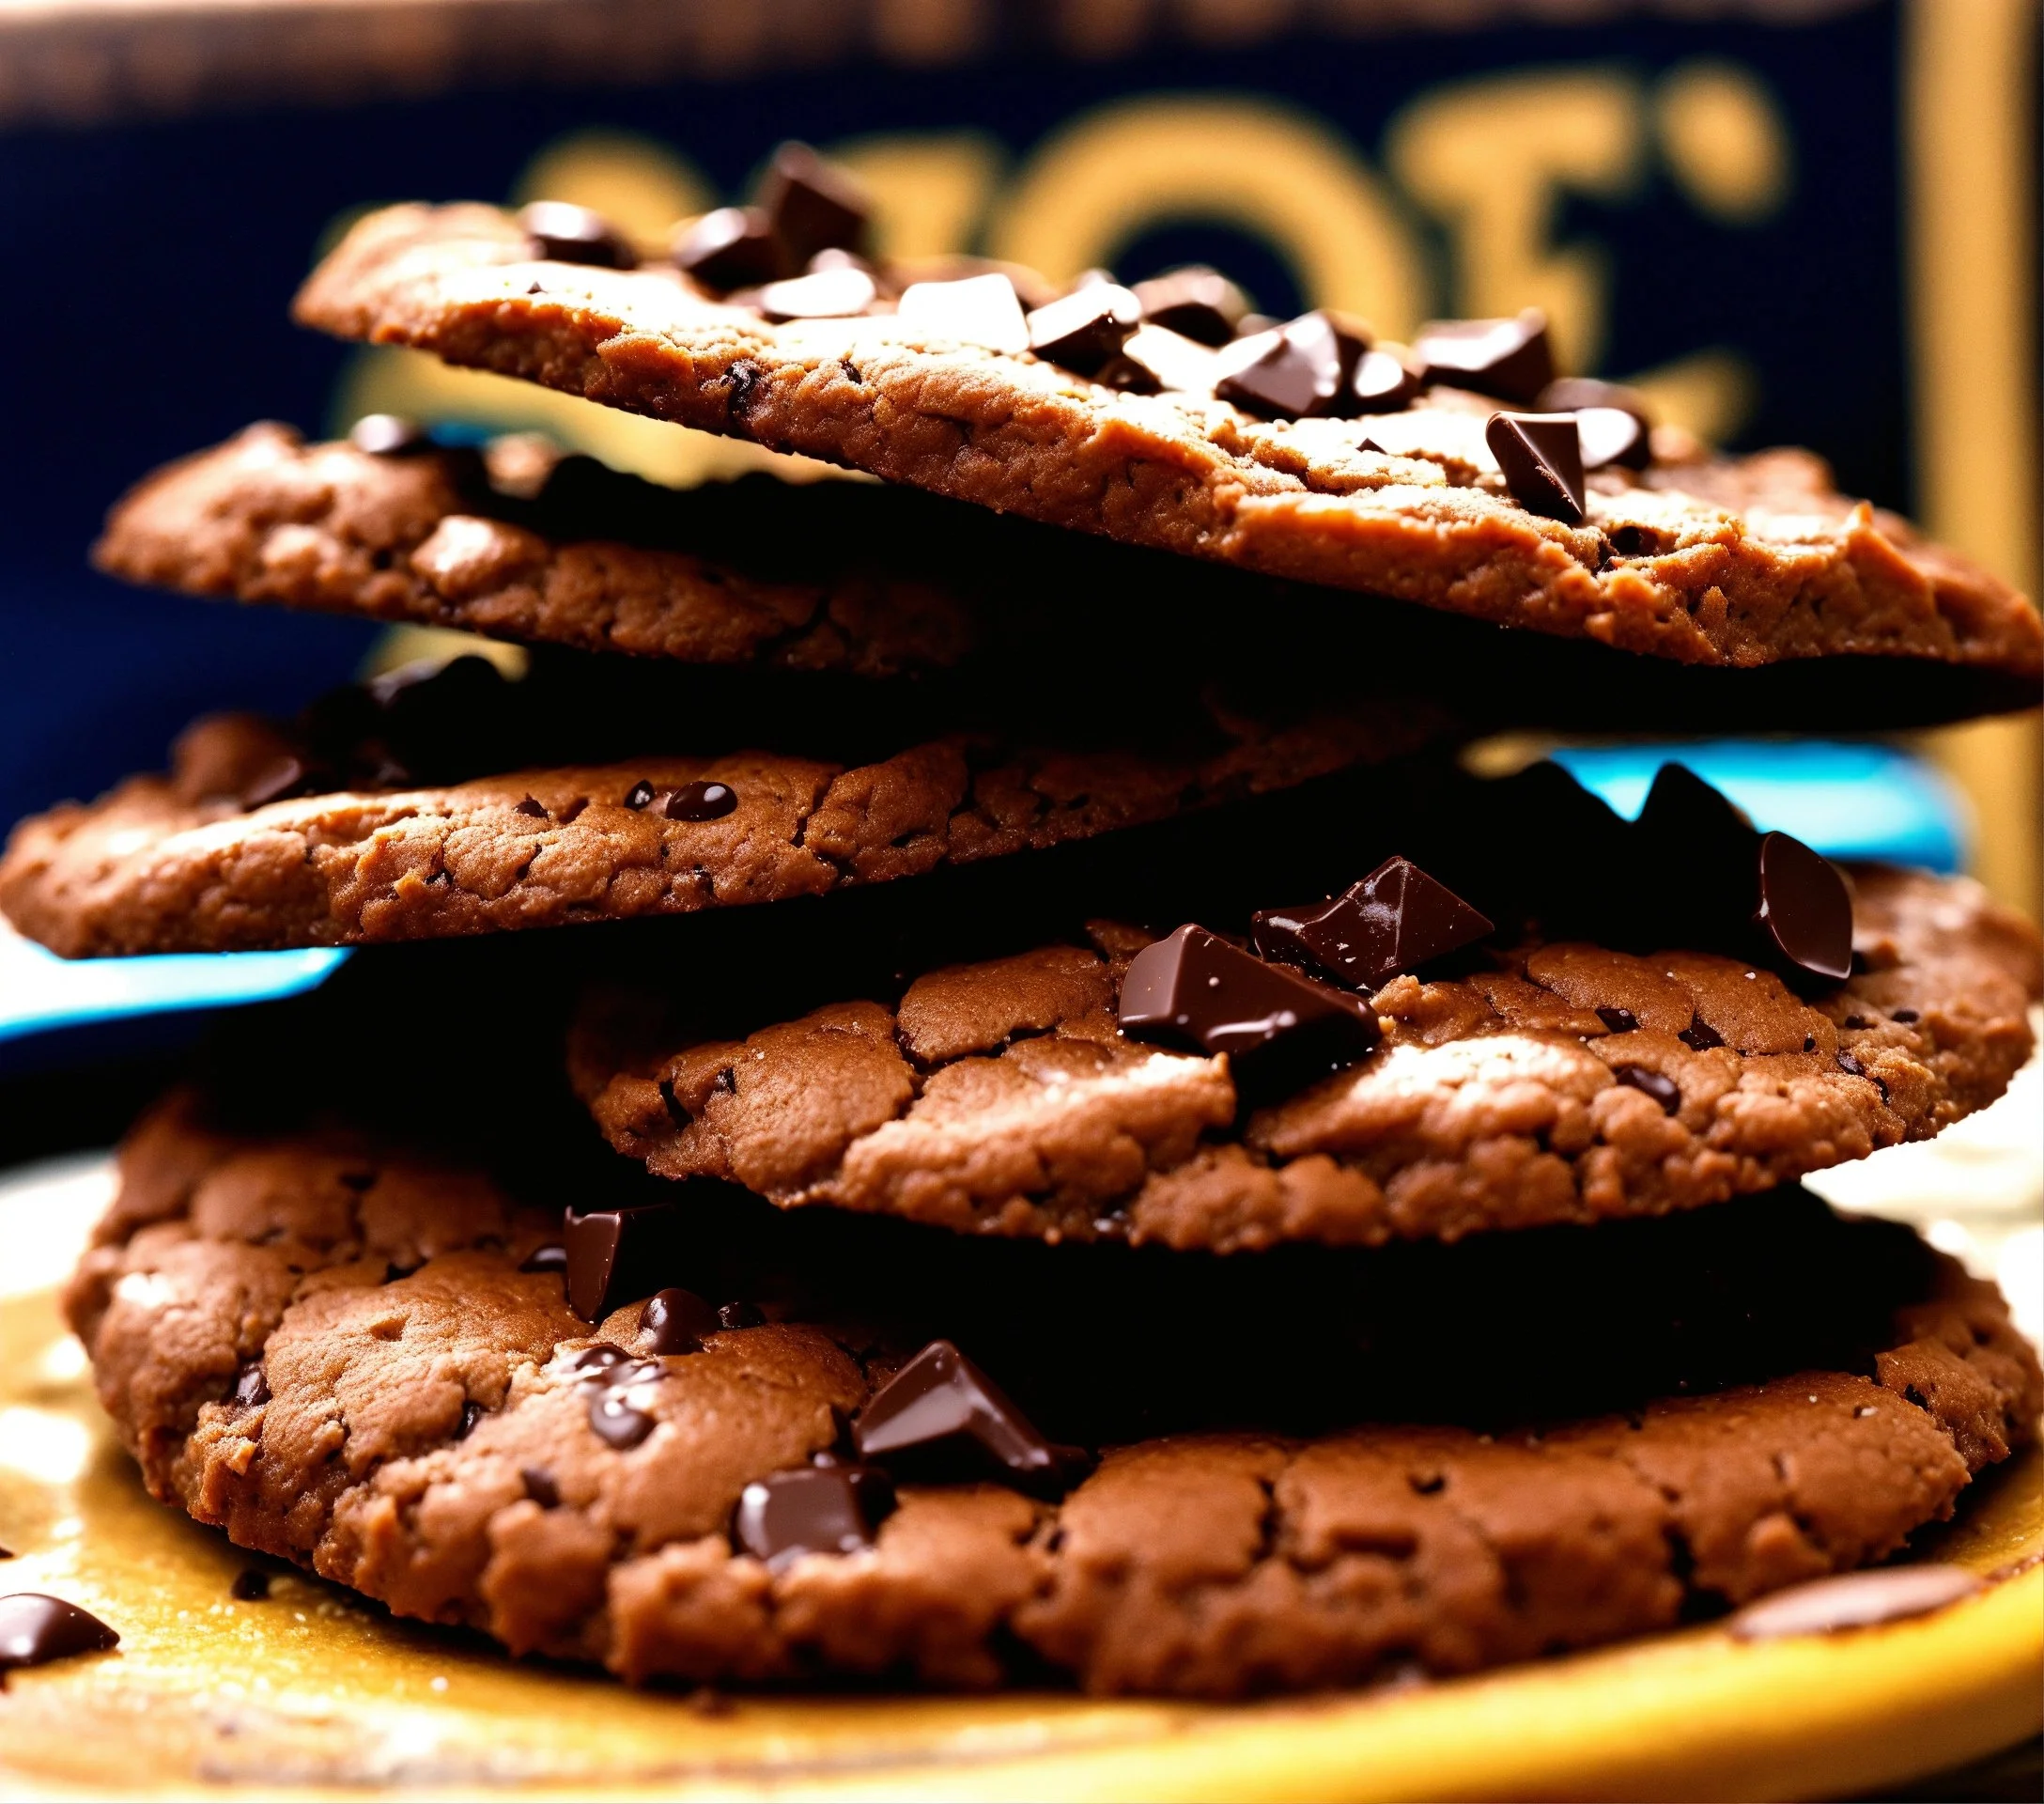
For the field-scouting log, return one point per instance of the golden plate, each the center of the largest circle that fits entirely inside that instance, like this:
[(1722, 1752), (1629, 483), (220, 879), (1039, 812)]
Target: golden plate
[(312, 1692)]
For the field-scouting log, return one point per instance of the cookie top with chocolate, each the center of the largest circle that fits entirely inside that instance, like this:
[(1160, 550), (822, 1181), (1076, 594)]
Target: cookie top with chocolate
[(359, 1355), (1188, 1091), (1298, 463)]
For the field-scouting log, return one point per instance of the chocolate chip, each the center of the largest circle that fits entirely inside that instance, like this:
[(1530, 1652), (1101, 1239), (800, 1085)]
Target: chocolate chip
[(1614, 424), (1279, 1030), (1542, 458), (569, 234), (547, 1259), (812, 205), (618, 1421), (977, 310), (675, 1321), (1157, 360), (1906, 1015), (1699, 1035), (1851, 1066), (1302, 373), (699, 801), (1196, 302), (616, 1253), (1665, 1091), (251, 1386), (740, 1314), (940, 1418), (1382, 384), (826, 294), (35, 1629), (1085, 329), (533, 807), (6, 1553), (540, 1486), (1507, 358), (734, 247), (597, 1359), (1619, 1020), (1804, 910), (282, 775), (389, 435), (250, 1586), (814, 1509), (1396, 919), (472, 1413)]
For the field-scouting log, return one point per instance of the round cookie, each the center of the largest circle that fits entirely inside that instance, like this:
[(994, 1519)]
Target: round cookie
[(341, 1350), (1741, 564), (1567, 1083)]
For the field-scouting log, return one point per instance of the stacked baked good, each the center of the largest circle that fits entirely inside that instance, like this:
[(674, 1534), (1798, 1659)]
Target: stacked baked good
[(1344, 1212)]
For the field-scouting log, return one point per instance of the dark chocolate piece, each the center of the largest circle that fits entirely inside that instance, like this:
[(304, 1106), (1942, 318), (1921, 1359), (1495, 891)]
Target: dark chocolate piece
[(250, 1386), (389, 435), (616, 1253), (1382, 384), (1084, 330), (1664, 1090), (1280, 1030), (1804, 910), (1542, 458), (540, 1486), (675, 1321), (699, 801), (472, 1413), (250, 1586), (619, 1421), (1699, 1035), (1508, 358), (1196, 302), (1303, 373), (639, 795), (35, 1629), (973, 310), (1613, 421), (1396, 919), (823, 294), (1157, 360), (941, 1418), (6, 1553), (284, 775), (740, 1314), (547, 1259), (569, 234), (531, 807), (815, 1509), (812, 205), (734, 247), (596, 1359), (1619, 1020)]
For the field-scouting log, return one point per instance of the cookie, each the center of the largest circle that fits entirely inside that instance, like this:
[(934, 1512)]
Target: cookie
[(373, 842), (1554, 1082), (1740, 562), (356, 1354)]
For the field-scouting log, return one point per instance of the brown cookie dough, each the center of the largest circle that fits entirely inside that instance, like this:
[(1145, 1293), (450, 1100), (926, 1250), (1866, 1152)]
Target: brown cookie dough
[(1741, 564), (1001, 1098), (327, 1346), (179, 864)]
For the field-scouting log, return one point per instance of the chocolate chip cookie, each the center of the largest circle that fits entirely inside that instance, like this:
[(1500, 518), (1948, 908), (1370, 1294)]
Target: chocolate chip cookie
[(359, 1354), (1396, 490)]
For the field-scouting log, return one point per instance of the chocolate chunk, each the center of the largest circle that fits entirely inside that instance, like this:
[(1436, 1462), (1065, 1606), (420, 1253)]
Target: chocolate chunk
[(1699, 1035), (1613, 421), (540, 1486), (740, 1314), (1507, 358), (282, 775), (1303, 373), (639, 794), (675, 1321), (1542, 458), (569, 234), (1396, 919), (835, 1509), (618, 1421), (251, 1386), (616, 1253), (1156, 361), (1849, 1065), (1664, 1090), (35, 1629), (734, 247), (1906, 1015), (1853, 1600), (597, 1359), (533, 807), (1619, 1020), (699, 801), (250, 1586), (547, 1259), (1804, 910), (389, 435), (1196, 302), (6, 1553), (825, 294), (1087, 328), (940, 1418), (1382, 384), (1279, 1030), (978, 310), (812, 206), (472, 1413)]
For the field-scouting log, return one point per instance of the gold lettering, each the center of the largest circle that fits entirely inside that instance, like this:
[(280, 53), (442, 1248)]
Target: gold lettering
[(1724, 139)]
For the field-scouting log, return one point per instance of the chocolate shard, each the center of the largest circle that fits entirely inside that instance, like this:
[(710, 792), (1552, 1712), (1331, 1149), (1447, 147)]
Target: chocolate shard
[(940, 1418), (701, 801), (565, 233), (1664, 1090), (1509, 359), (1619, 1020), (675, 1321), (816, 1509), (1157, 360), (389, 435), (250, 1386), (616, 1253), (1542, 458), (1804, 911), (1396, 919), (1613, 420), (1196, 302), (824, 294), (734, 247), (1085, 329), (976, 310), (1303, 372), (1281, 1031), (1381, 383), (812, 205), (35, 1629)]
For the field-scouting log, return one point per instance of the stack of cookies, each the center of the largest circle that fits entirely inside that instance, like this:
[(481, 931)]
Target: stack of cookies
[(1139, 1170)]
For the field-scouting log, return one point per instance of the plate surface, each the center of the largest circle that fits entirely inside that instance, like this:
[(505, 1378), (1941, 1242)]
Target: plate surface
[(311, 1691)]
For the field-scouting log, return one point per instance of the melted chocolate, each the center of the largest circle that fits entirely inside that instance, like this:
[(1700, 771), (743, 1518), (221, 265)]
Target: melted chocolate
[(35, 1629)]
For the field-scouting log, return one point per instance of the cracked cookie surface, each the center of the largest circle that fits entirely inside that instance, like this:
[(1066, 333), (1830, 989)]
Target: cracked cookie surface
[(1002, 1098), (323, 1342), (1743, 562)]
